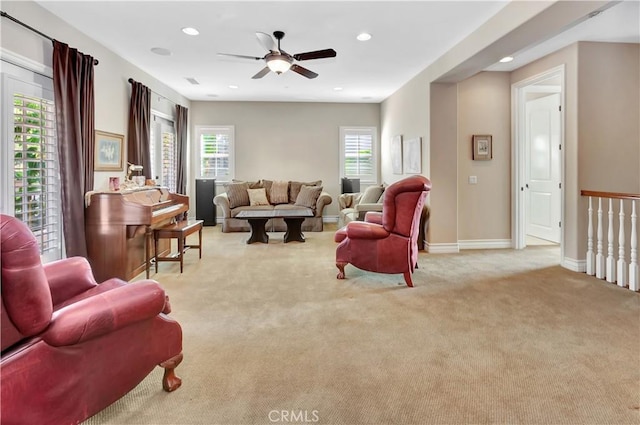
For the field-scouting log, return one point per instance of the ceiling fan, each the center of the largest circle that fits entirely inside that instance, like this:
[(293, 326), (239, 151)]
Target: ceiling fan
[(280, 61)]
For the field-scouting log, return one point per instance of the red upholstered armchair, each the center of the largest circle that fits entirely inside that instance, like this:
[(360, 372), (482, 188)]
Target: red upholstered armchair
[(386, 242), (70, 346)]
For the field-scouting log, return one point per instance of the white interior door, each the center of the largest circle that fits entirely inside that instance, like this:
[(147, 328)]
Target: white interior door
[(542, 144)]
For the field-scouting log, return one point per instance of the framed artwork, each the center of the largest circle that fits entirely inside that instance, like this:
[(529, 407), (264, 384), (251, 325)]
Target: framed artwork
[(482, 148), (412, 156), (108, 151), (396, 154)]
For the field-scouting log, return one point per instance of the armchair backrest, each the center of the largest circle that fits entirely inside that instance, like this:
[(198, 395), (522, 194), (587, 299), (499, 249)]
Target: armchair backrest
[(25, 299), (403, 203)]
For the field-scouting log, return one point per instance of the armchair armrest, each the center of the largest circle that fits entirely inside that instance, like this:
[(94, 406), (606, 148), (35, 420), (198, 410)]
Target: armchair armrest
[(104, 313), (373, 217), (68, 277), (323, 200), (222, 200), (362, 209), (363, 230)]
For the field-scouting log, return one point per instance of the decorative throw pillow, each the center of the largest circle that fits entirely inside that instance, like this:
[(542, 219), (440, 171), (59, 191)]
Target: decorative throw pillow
[(308, 196), (267, 187), (237, 194), (257, 197), (295, 188), (279, 193), (371, 194)]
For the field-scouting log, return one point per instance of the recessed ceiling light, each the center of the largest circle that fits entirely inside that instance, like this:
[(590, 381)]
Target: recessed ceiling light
[(212, 95), (337, 88), (161, 51), (506, 59), (233, 86), (190, 31), (364, 36)]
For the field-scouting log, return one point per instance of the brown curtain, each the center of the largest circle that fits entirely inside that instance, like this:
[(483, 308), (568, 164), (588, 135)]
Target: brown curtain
[(139, 127), (181, 148), (75, 109)]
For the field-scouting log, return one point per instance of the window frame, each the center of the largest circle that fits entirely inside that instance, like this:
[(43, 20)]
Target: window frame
[(365, 179), (165, 122), (23, 77), (230, 130)]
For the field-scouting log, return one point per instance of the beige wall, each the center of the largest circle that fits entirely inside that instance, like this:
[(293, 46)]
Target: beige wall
[(112, 91), (608, 114), (484, 107), (444, 170), (288, 140)]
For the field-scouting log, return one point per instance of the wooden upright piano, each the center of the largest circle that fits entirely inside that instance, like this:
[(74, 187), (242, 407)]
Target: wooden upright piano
[(119, 228)]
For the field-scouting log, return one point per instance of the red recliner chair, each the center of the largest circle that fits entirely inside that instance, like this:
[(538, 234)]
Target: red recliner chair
[(70, 346), (386, 242)]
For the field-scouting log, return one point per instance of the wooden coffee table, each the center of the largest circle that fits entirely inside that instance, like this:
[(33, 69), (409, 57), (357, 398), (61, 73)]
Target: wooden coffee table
[(292, 217)]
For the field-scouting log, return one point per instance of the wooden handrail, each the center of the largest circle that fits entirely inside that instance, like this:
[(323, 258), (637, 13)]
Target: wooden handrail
[(613, 195)]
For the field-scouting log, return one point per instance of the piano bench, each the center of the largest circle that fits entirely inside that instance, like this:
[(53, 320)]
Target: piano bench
[(180, 231)]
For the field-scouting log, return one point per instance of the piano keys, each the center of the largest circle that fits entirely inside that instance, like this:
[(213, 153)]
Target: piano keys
[(119, 229)]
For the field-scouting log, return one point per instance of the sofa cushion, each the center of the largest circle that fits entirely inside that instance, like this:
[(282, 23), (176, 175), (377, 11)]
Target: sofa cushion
[(308, 196), (237, 193), (294, 188), (257, 197), (279, 193), (372, 194)]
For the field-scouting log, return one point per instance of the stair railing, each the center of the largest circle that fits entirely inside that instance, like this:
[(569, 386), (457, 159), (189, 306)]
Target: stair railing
[(609, 268)]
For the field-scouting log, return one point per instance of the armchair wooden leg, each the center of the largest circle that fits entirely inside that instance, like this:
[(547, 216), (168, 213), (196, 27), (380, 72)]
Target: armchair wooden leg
[(407, 279), (170, 381), (340, 266)]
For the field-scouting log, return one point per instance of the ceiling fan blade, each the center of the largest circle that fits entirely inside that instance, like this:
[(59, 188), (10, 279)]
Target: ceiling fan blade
[(267, 41), (303, 71), (240, 56), (318, 54), (264, 71)]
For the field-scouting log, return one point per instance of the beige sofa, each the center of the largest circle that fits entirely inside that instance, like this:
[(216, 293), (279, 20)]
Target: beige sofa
[(296, 194)]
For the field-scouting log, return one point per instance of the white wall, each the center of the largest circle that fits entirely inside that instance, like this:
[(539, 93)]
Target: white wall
[(112, 90), (287, 140)]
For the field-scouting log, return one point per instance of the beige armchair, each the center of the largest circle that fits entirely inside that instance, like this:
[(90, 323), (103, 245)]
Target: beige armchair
[(354, 206)]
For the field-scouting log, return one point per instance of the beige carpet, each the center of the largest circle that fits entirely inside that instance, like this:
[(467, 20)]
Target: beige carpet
[(500, 336)]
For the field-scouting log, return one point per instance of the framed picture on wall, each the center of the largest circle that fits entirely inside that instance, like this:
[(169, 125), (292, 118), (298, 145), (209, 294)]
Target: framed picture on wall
[(482, 148), (108, 151), (412, 153)]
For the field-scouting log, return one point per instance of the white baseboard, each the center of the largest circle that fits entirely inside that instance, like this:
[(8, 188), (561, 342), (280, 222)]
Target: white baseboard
[(574, 265), (485, 244), (442, 248)]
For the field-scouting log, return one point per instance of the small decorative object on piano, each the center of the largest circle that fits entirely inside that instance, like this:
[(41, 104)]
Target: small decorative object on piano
[(139, 180), (150, 182), (133, 169), (114, 183)]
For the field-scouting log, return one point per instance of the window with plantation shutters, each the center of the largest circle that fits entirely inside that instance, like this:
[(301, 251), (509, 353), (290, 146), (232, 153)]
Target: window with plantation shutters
[(163, 151), (36, 178), (358, 153), (215, 149)]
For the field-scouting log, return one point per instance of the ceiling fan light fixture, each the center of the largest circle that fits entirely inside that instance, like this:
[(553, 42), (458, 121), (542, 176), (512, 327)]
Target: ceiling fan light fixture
[(279, 63)]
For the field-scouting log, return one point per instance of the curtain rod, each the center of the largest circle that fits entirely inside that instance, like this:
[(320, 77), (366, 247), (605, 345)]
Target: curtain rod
[(6, 15), (131, 81)]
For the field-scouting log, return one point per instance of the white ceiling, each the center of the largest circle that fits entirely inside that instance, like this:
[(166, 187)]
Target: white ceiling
[(406, 37)]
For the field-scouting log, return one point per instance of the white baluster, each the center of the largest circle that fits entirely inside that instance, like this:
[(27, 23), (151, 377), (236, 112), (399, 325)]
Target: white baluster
[(622, 264), (591, 256), (633, 266), (611, 261), (599, 256)]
